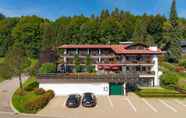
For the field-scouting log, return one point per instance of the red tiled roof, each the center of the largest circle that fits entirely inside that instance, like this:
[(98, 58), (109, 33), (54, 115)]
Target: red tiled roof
[(118, 49), (141, 52)]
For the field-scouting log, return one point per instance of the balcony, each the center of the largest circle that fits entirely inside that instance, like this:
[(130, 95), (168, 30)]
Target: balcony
[(138, 63), (83, 52), (71, 53), (85, 77), (94, 52)]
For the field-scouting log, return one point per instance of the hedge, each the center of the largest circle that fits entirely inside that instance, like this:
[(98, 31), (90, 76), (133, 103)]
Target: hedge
[(31, 86), (39, 91), (47, 68), (159, 92), (183, 63), (39, 102)]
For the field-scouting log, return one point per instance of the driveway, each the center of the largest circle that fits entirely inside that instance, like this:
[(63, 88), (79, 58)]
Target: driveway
[(7, 89), (120, 107)]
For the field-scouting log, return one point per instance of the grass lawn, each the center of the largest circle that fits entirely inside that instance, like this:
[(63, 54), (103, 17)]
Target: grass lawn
[(1, 59), (1, 79), (158, 92), (33, 99), (19, 101)]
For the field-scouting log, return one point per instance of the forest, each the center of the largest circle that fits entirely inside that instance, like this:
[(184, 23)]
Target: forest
[(35, 34)]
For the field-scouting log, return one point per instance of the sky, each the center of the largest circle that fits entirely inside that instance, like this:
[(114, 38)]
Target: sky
[(53, 9)]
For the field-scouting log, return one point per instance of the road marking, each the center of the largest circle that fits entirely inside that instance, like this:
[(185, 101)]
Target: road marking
[(64, 105), (110, 101), (130, 103), (149, 105), (168, 106), (180, 103)]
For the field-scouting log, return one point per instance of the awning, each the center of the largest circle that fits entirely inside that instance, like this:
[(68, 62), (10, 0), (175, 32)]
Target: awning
[(100, 67), (115, 68)]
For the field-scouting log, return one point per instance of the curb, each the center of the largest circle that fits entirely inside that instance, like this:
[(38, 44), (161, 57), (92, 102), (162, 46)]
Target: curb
[(11, 104)]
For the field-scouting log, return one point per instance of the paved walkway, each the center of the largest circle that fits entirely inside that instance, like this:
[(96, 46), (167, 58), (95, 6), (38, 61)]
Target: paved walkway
[(7, 88)]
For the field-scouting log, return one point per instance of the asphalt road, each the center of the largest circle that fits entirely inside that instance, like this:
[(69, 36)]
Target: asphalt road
[(7, 88)]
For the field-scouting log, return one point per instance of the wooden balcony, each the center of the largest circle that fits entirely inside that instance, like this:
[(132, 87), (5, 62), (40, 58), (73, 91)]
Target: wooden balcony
[(138, 63)]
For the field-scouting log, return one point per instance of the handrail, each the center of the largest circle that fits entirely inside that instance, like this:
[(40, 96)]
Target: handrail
[(80, 76)]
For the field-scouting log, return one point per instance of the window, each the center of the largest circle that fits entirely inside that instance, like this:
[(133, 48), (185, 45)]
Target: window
[(127, 69), (143, 69), (137, 68)]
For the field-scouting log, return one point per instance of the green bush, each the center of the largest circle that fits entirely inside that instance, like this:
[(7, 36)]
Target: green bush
[(168, 66), (77, 68), (90, 69), (50, 94), (39, 102), (181, 84), (183, 63), (169, 79), (47, 68), (39, 91), (31, 86)]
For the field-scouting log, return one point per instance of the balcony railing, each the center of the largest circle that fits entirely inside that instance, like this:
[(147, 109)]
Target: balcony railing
[(138, 62), (88, 77)]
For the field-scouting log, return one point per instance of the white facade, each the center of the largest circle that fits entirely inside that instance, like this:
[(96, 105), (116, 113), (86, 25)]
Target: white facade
[(63, 89)]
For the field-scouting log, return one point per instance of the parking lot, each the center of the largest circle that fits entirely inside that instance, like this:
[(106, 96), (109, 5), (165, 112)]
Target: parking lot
[(120, 106)]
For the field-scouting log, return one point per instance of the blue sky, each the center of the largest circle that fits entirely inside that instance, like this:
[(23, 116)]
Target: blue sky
[(53, 9)]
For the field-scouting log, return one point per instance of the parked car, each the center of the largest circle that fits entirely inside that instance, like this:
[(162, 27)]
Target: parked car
[(89, 100), (73, 101)]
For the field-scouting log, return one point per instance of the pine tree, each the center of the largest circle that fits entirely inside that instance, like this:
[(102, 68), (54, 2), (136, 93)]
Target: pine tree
[(173, 14), (141, 35)]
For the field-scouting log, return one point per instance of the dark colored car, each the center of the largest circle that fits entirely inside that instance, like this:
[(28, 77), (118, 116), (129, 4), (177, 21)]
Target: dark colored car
[(89, 100), (73, 101)]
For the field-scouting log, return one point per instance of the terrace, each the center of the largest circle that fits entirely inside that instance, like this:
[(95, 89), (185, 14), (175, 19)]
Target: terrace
[(85, 77)]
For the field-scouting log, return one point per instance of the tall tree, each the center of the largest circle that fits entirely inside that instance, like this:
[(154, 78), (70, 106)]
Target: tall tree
[(18, 62), (6, 40), (173, 14), (47, 35), (77, 63), (140, 34), (88, 63), (27, 34), (170, 43)]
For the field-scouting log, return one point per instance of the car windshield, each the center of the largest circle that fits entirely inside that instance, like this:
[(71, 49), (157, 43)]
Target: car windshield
[(87, 98), (72, 97)]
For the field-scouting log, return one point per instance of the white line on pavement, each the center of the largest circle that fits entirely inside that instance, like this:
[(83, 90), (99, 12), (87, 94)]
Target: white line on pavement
[(168, 106), (180, 103), (149, 105), (130, 103), (110, 101)]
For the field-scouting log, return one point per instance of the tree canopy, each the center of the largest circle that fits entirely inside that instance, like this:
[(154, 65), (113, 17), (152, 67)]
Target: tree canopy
[(35, 34)]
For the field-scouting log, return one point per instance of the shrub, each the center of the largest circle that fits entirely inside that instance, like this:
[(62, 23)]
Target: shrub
[(39, 91), (183, 63), (90, 69), (47, 68), (181, 84), (180, 69), (31, 86), (39, 102), (168, 66), (169, 79), (50, 94)]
